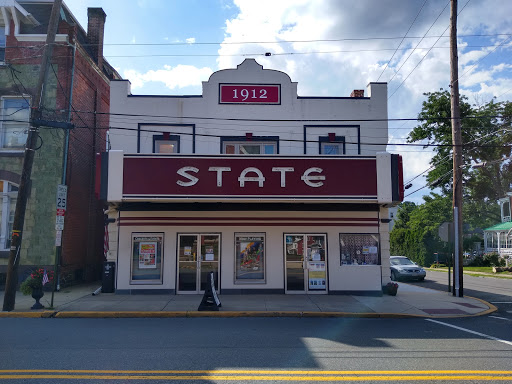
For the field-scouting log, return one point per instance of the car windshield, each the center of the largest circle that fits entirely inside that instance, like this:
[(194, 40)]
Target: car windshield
[(401, 261)]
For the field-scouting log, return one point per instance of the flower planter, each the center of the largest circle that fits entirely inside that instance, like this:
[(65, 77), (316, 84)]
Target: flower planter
[(37, 294), (390, 289)]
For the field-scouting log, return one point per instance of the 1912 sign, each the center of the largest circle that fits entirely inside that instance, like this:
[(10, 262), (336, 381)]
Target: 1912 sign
[(250, 93)]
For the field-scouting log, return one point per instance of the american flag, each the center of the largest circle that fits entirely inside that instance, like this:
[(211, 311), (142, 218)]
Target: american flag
[(105, 242), (45, 277)]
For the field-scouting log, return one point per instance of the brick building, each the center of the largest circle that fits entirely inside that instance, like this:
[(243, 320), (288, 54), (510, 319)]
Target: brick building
[(77, 91), (271, 191)]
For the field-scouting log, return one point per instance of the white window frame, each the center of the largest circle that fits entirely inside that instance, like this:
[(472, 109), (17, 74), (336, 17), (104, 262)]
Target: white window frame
[(8, 197), (4, 123)]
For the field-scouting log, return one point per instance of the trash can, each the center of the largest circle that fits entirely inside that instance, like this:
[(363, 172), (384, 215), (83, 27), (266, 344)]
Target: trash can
[(108, 277)]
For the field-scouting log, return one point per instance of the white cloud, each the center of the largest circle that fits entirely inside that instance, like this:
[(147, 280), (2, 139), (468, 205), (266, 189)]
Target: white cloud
[(180, 76), (351, 64), (190, 40)]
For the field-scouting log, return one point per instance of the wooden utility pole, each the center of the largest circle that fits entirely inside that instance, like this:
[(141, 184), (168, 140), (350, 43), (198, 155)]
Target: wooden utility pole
[(28, 161), (457, 154)]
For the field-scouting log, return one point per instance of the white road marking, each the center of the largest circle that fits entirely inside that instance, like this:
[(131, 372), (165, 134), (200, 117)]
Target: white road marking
[(470, 331), (501, 318)]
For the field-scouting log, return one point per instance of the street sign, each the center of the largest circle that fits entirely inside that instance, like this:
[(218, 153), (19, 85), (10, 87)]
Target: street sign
[(445, 231), (58, 239), (62, 193)]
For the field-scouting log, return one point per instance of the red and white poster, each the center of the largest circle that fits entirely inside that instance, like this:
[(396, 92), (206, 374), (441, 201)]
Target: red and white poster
[(147, 255)]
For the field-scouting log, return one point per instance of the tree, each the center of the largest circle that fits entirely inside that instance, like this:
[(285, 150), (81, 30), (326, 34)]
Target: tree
[(486, 137), (415, 233)]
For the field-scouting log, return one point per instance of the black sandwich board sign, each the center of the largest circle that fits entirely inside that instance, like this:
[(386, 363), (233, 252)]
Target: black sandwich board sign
[(210, 301)]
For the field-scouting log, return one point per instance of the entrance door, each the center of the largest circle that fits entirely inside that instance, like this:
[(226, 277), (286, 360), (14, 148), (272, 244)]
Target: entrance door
[(306, 263), (198, 255)]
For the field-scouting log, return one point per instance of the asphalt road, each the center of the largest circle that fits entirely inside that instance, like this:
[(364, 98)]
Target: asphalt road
[(241, 350), (496, 291), (267, 350)]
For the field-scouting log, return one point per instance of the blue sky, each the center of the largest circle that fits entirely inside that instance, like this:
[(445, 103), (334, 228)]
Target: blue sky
[(170, 46)]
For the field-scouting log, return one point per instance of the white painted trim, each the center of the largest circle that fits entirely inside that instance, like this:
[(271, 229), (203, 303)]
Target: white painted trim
[(384, 185), (60, 38), (6, 22), (115, 176)]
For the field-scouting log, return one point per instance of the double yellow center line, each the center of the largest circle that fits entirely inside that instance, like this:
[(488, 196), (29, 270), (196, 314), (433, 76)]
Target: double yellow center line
[(259, 375)]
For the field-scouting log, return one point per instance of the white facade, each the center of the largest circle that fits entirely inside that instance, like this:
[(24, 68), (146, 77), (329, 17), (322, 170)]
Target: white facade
[(313, 216)]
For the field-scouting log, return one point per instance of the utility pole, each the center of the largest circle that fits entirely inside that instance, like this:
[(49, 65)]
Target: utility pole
[(28, 161), (457, 154)]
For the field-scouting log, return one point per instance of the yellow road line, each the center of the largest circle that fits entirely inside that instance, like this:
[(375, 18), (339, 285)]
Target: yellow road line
[(266, 378), (261, 372)]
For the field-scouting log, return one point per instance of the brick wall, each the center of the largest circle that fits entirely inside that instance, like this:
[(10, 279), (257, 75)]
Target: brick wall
[(82, 253)]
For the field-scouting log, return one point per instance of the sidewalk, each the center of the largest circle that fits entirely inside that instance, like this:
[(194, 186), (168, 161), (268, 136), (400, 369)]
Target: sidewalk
[(411, 301)]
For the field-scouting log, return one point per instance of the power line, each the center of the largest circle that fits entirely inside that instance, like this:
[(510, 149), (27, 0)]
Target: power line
[(387, 64), (296, 140)]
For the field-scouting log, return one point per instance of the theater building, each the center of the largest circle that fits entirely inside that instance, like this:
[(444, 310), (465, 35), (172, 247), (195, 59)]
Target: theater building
[(273, 192)]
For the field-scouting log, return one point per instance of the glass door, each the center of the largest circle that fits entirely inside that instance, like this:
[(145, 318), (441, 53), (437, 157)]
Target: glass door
[(198, 255), (306, 263)]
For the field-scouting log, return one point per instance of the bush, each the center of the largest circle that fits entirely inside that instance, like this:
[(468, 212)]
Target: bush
[(435, 265), (488, 260)]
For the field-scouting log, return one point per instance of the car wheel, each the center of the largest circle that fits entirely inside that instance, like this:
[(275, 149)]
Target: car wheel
[(421, 279), (393, 275)]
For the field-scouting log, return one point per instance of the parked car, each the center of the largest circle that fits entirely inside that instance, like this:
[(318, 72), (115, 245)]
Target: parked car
[(404, 269)]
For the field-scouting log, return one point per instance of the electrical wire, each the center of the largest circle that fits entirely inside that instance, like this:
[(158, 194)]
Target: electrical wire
[(387, 64)]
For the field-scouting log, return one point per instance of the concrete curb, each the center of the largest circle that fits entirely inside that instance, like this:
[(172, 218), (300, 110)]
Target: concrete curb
[(224, 314)]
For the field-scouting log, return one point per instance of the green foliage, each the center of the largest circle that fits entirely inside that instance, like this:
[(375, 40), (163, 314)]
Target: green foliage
[(488, 260), (415, 233), (440, 265), (34, 281), (486, 136)]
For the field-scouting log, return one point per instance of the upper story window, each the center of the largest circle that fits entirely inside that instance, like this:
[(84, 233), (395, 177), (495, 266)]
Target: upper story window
[(505, 211), (332, 145), (9, 193), (2, 43), (14, 123), (166, 144), (250, 145)]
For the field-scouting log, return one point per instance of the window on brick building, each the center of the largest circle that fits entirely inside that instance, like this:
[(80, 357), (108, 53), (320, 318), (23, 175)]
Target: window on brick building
[(9, 195), (14, 123), (250, 146), (2, 44), (166, 144)]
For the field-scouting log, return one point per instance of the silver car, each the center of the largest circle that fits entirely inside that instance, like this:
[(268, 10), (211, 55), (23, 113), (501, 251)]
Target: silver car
[(404, 269)]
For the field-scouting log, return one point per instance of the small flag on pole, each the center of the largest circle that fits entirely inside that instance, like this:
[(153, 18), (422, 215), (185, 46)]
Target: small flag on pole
[(105, 242), (45, 277)]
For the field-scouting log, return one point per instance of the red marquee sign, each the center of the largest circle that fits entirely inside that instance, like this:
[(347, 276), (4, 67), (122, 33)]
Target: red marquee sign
[(250, 94), (249, 178)]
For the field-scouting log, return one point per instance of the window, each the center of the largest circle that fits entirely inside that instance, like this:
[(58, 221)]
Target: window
[(15, 119), (253, 146), (2, 44), (359, 249), (147, 251), (7, 207), (249, 257), (332, 145), (166, 144)]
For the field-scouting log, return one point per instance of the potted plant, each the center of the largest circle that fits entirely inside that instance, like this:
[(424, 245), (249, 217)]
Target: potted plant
[(390, 288), (33, 285)]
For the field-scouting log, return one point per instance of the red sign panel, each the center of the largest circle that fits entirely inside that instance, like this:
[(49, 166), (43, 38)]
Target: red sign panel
[(250, 93), (249, 178)]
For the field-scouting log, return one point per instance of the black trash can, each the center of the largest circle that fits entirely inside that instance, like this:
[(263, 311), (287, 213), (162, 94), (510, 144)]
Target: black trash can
[(108, 277)]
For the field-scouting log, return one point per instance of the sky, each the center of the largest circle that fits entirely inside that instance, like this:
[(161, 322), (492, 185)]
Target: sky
[(329, 47)]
